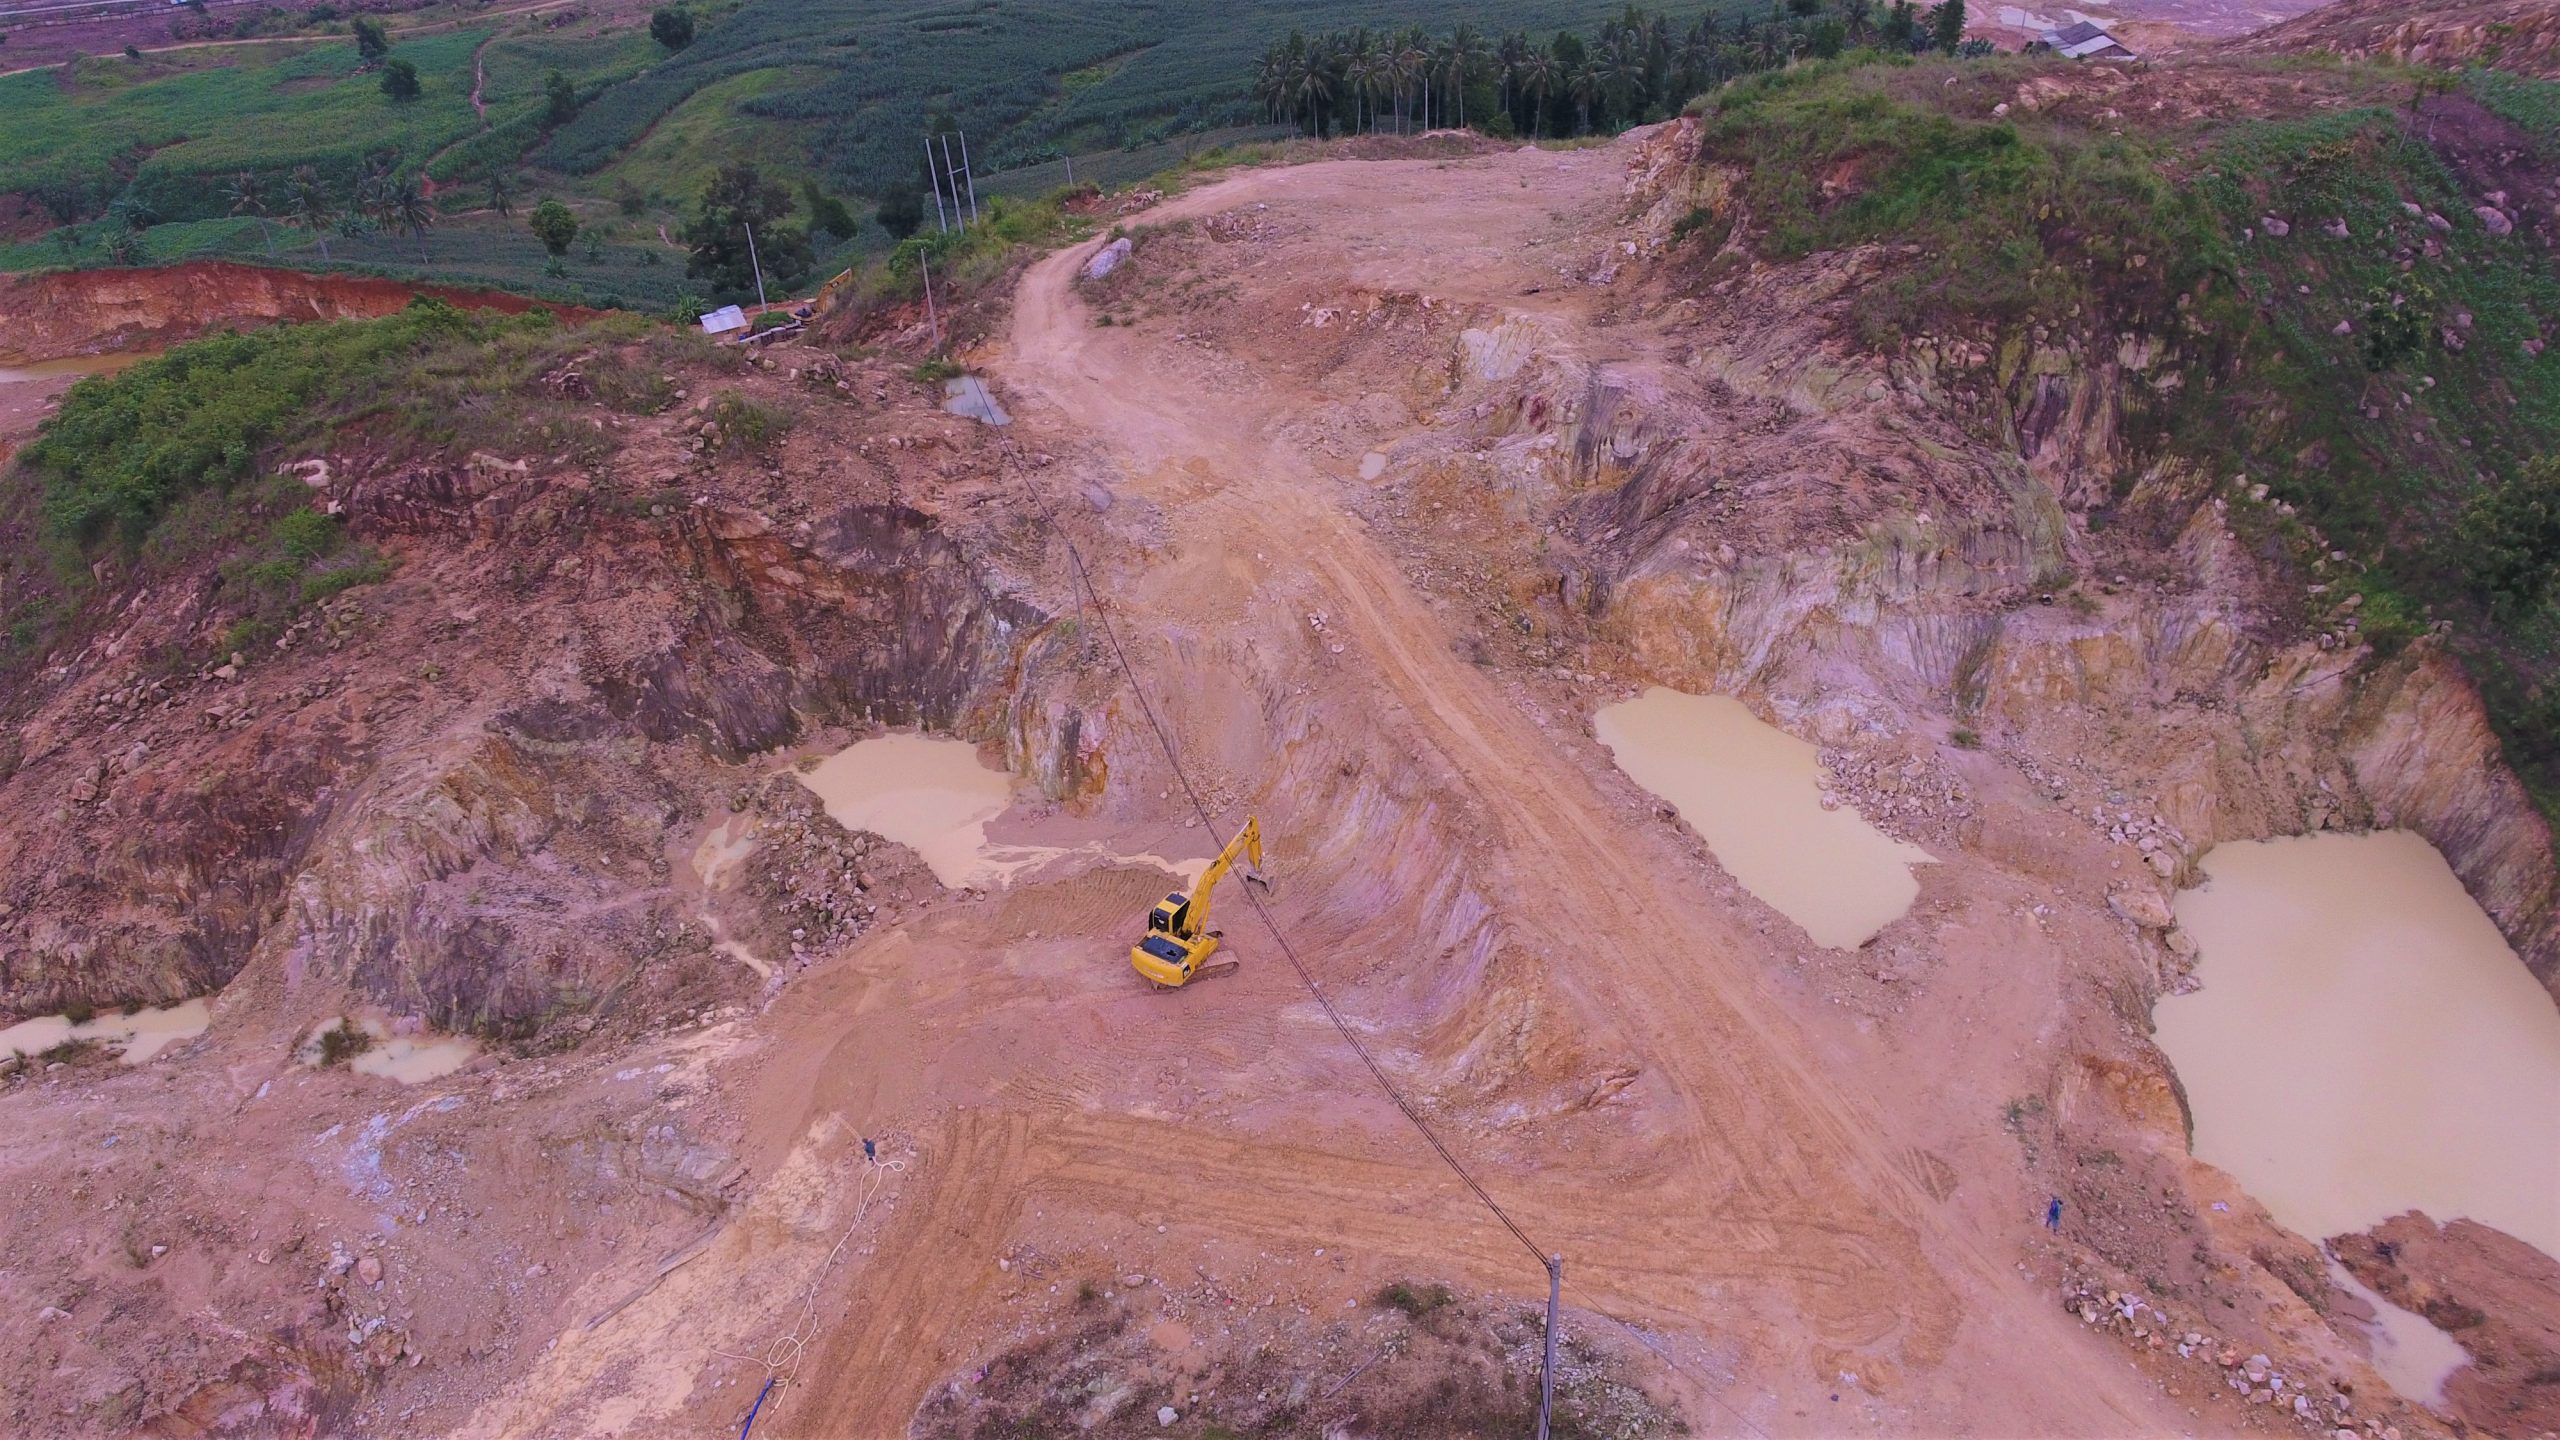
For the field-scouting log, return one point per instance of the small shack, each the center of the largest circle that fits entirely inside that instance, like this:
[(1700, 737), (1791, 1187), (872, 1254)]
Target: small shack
[(2087, 41)]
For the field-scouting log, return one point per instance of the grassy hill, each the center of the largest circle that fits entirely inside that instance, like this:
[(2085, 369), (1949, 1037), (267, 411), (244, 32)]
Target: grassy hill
[(168, 129), (2350, 264)]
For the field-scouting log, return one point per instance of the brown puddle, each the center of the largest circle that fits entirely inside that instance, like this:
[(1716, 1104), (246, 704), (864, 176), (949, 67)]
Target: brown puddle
[(2365, 1042), (1755, 793), (136, 1037)]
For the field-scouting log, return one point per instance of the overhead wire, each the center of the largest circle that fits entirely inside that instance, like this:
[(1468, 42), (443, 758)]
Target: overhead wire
[(1270, 922)]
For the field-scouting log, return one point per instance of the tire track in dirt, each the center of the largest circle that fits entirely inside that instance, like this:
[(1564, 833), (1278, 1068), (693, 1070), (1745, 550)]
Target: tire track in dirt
[(1821, 1204)]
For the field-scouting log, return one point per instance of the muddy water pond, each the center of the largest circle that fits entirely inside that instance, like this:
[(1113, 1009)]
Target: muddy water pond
[(2365, 1042), (932, 795), (73, 365), (1755, 793), (135, 1037)]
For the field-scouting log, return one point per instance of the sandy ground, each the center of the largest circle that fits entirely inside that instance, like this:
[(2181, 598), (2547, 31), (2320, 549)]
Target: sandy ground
[(1782, 1187), (1742, 1201)]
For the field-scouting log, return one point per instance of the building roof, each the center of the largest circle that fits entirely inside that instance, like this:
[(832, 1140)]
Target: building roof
[(2083, 39)]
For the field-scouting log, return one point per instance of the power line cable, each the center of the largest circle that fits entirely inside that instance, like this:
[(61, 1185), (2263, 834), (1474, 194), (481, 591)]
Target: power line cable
[(1199, 807)]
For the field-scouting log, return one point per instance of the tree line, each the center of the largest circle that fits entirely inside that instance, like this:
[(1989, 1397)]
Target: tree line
[(1640, 67), (386, 196)]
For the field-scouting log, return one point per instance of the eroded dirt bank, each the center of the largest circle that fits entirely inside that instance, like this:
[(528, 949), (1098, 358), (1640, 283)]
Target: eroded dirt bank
[(1390, 473), (53, 314)]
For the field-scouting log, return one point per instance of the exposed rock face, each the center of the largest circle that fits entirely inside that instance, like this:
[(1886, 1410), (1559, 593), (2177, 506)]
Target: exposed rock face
[(2497, 1296), (1829, 527), (455, 793), (2522, 35), (93, 312)]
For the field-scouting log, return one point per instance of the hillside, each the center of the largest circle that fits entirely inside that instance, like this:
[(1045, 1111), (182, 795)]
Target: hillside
[(2518, 36), (571, 880), (2324, 303)]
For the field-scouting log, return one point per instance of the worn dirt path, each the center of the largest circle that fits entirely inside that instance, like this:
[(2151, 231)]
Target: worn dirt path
[(1764, 1206)]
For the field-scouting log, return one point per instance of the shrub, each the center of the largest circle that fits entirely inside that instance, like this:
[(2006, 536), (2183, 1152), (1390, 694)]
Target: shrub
[(747, 426), (1413, 1302), (2397, 319), (2507, 541), (343, 1042)]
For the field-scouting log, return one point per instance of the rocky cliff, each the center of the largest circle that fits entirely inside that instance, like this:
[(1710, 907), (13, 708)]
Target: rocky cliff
[(453, 792)]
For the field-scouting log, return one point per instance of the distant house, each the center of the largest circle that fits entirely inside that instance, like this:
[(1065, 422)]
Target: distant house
[(2087, 41)]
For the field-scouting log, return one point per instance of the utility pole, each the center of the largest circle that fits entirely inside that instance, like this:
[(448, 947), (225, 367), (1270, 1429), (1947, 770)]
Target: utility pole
[(931, 321), (753, 261), (969, 173), (933, 175), (1547, 1368), (1071, 172)]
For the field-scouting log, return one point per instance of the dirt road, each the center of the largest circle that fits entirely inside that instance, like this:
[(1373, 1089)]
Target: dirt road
[(1750, 1206)]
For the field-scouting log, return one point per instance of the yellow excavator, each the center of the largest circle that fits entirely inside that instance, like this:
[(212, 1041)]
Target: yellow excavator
[(1179, 946)]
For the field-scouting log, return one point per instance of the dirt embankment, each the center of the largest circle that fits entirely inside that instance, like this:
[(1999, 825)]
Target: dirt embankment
[(2497, 1295), (52, 315), (2518, 35)]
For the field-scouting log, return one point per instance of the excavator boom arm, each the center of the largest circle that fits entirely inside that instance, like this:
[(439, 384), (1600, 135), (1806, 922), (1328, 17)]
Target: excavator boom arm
[(1248, 843)]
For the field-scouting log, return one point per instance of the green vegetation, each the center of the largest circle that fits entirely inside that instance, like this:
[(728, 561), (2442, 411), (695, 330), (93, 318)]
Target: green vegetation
[(735, 230), (1642, 67), (554, 224), (1977, 196), (2374, 359), (400, 80), (746, 427), (1143, 71), (167, 136), (172, 462), (671, 28), (1416, 1303), (343, 1041)]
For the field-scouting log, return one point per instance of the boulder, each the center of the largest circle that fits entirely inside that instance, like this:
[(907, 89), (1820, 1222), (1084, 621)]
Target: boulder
[(2143, 907), (1107, 259)]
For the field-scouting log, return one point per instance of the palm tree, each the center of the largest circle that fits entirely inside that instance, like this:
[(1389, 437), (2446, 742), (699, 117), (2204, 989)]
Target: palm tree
[(1466, 52), (376, 191), (1311, 85), (1271, 80), (1858, 18), (1772, 45), (1357, 53), (248, 196), (1506, 63), (1585, 85), (1413, 67), (1537, 81), (1698, 54), (307, 204), (405, 204), (1364, 73), (1621, 67), (499, 198)]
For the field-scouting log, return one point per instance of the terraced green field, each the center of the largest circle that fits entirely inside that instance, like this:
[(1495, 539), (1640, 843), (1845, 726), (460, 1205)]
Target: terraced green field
[(169, 130), (1030, 79)]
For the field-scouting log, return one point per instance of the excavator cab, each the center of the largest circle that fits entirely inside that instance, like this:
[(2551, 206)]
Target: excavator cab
[(1178, 947)]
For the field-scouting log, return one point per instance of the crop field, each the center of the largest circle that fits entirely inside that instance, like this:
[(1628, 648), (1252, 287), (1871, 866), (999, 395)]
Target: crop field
[(174, 126), (1031, 80)]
